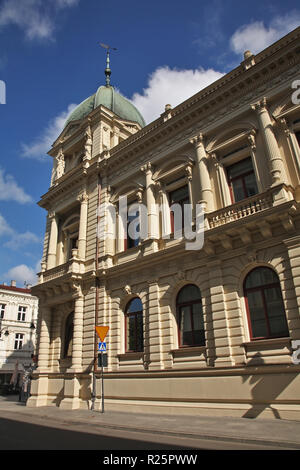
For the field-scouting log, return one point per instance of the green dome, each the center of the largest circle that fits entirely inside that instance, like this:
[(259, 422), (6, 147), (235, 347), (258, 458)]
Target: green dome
[(108, 97)]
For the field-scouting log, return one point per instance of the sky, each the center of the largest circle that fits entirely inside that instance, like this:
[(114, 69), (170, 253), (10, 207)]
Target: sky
[(51, 60)]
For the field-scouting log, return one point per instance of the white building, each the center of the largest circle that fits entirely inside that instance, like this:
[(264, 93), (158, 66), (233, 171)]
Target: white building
[(18, 314)]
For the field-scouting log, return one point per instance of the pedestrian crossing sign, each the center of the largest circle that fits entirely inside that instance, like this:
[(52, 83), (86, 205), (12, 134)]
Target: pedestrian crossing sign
[(102, 346)]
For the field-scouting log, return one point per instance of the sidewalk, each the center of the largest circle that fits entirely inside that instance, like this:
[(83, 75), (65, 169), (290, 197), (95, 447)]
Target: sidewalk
[(280, 433)]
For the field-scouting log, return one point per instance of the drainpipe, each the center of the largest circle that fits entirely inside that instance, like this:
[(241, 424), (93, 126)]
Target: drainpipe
[(97, 297)]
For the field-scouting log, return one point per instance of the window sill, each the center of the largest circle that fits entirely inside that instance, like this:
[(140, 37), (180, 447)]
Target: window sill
[(131, 356), (270, 342), (189, 351)]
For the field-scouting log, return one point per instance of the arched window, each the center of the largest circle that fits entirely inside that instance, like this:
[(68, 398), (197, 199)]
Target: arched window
[(265, 308), (190, 317), (134, 326), (68, 343)]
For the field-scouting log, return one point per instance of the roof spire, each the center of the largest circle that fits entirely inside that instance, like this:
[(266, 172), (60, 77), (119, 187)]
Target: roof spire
[(107, 71)]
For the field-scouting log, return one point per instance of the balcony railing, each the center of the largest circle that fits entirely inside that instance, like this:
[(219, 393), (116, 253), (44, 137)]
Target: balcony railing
[(241, 209), (56, 272)]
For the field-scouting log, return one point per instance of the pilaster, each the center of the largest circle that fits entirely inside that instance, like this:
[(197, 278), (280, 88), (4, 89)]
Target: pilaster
[(51, 260), (218, 339), (155, 336)]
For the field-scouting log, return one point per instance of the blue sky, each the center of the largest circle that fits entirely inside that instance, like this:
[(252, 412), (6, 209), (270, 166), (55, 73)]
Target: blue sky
[(50, 60)]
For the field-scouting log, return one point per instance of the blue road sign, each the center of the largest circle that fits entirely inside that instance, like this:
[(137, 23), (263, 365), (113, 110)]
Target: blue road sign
[(101, 346)]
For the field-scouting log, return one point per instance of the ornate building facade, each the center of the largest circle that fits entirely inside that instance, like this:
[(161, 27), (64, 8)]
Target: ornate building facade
[(18, 323), (210, 330)]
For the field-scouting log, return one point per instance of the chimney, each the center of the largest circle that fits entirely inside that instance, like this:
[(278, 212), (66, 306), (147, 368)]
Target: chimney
[(13, 283)]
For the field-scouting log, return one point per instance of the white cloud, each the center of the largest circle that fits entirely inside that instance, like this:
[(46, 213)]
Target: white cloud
[(16, 240), (256, 36), (171, 86), (40, 146), (10, 191), (66, 3), (21, 274), (37, 18), (5, 229)]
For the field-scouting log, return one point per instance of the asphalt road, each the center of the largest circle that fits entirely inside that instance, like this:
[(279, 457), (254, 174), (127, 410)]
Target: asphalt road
[(27, 436), (18, 435)]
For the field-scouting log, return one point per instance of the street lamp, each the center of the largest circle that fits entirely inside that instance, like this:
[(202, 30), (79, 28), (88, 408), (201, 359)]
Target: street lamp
[(2, 329)]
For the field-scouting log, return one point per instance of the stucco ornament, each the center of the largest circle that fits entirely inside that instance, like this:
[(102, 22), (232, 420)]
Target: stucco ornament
[(127, 290), (60, 164), (88, 144)]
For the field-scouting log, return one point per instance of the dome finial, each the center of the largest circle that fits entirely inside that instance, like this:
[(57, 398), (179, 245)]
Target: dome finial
[(107, 71)]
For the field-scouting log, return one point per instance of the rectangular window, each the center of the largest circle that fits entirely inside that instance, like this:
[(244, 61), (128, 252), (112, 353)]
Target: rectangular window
[(19, 341), (2, 311), (181, 197), (22, 313), (241, 179)]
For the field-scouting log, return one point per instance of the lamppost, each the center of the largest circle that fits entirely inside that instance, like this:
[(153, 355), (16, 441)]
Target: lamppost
[(2, 329)]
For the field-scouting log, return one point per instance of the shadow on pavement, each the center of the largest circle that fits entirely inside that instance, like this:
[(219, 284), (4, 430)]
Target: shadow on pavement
[(17, 435)]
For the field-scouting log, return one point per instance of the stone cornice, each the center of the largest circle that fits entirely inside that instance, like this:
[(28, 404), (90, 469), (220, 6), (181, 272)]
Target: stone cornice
[(68, 182), (270, 63), (228, 93)]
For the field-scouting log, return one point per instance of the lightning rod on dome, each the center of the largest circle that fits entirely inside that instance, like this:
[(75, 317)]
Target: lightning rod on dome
[(107, 70)]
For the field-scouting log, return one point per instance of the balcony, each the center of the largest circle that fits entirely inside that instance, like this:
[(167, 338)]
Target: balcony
[(54, 273), (240, 210)]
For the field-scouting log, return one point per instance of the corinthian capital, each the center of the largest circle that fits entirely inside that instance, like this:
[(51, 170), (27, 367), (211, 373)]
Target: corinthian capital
[(260, 106), (51, 214), (197, 140), (147, 167), (83, 197)]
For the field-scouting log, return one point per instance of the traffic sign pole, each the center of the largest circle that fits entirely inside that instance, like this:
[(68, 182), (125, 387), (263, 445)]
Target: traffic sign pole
[(102, 332), (102, 383)]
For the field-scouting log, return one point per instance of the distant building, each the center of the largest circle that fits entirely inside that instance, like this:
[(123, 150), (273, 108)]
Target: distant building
[(18, 323), (211, 330)]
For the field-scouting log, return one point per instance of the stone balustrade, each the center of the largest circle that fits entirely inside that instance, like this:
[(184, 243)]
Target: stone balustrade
[(241, 209)]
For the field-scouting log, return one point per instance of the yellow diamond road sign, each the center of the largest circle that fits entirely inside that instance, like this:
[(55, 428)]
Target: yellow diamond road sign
[(102, 332)]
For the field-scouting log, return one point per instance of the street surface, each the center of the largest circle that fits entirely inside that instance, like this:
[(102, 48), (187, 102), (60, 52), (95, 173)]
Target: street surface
[(20, 435), (51, 428)]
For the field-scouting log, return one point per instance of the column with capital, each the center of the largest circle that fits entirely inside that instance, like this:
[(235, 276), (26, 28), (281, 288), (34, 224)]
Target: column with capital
[(44, 343), (271, 146), (164, 210), (77, 332), (73, 379), (224, 191), (206, 194), (153, 226), (292, 142), (83, 199), (51, 260), (39, 384)]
